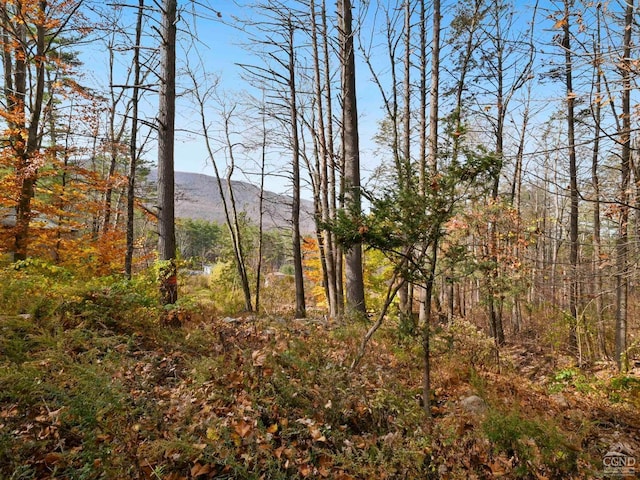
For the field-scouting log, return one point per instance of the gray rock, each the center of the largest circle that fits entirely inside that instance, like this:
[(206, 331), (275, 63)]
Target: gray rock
[(560, 400), (474, 404)]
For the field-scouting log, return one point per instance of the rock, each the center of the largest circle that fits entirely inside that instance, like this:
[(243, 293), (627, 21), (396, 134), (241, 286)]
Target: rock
[(474, 404), (560, 400)]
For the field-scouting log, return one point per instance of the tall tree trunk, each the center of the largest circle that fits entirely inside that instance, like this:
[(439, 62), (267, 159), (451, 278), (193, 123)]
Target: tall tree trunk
[(405, 173), (573, 185), (263, 168), (300, 311), (332, 167), (353, 257), (133, 144), (622, 244), (595, 181), (26, 149), (432, 168), (325, 163), (231, 209), (166, 175)]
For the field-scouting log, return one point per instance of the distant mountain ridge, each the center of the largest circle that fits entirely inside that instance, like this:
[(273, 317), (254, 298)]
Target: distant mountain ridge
[(198, 197)]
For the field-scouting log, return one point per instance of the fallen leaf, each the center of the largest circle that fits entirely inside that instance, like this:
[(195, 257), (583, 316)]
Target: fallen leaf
[(258, 358), (242, 428), (212, 434), (317, 435), (199, 469), (52, 458), (305, 470), (278, 452)]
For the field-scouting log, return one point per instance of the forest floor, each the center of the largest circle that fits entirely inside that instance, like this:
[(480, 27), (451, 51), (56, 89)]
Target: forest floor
[(100, 388)]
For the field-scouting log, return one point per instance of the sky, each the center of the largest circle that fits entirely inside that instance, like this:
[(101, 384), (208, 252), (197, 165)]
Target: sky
[(219, 46), (222, 49)]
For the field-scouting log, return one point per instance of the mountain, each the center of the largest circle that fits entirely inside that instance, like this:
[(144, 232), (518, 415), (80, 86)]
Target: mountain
[(198, 197)]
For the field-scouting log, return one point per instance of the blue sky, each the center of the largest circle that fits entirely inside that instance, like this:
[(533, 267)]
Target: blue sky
[(220, 47)]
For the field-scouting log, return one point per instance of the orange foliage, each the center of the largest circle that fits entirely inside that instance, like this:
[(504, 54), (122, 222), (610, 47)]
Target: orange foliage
[(313, 270)]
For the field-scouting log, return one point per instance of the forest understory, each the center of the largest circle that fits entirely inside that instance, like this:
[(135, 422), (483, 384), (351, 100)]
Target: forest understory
[(94, 384)]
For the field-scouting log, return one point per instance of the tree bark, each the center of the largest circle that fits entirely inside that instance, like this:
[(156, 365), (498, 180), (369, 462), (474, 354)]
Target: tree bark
[(432, 169), (325, 163), (622, 244), (573, 187), (595, 181), (26, 149), (300, 311), (353, 257), (133, 145), (166, 175)]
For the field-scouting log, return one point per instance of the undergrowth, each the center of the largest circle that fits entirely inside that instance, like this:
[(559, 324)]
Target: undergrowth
[(93, 385)]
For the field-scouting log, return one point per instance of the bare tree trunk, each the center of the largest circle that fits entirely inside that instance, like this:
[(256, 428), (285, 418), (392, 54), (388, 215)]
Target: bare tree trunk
[(115, 137), (353, 258), (595, 181), (573, 187), (332, 167), (622, 244), (324, 153), (232, 213), (166, 132), (295, 164), (263, 163), (133, 144)]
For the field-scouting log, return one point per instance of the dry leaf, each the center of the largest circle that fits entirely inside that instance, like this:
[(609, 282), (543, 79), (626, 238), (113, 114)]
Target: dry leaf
[(258, 358), (278, 452), (305, 470), (272, 428), (242, 428), (199, 469), (317, 435)]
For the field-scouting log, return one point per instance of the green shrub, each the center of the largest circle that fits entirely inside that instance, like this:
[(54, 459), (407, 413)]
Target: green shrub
[(529, 442), (570, 377)]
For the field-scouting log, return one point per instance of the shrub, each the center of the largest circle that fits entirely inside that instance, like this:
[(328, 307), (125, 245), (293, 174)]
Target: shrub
[(529, 442)]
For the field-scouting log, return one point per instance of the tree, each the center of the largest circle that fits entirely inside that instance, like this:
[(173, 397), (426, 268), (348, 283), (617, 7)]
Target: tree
[(300, 311), (596, 111), (573, 175), (351, 149), (396, 128), (431, 176), (166, 133), (275, 36), (505, 66), (622, 242), (232, 216), (133, 141), (325, 169), (29, 32)]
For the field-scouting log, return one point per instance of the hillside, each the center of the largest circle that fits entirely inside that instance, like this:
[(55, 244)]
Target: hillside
[(198, 197), (94, 385)]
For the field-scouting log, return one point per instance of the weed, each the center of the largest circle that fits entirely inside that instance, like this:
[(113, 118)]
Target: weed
[(570, 377), (529, 442), (624, 388)]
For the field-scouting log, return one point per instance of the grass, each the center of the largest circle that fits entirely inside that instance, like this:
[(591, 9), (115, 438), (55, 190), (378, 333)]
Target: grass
[(96, 386)]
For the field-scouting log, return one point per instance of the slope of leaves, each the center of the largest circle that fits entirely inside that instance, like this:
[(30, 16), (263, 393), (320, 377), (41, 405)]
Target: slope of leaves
[(97, 387)]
